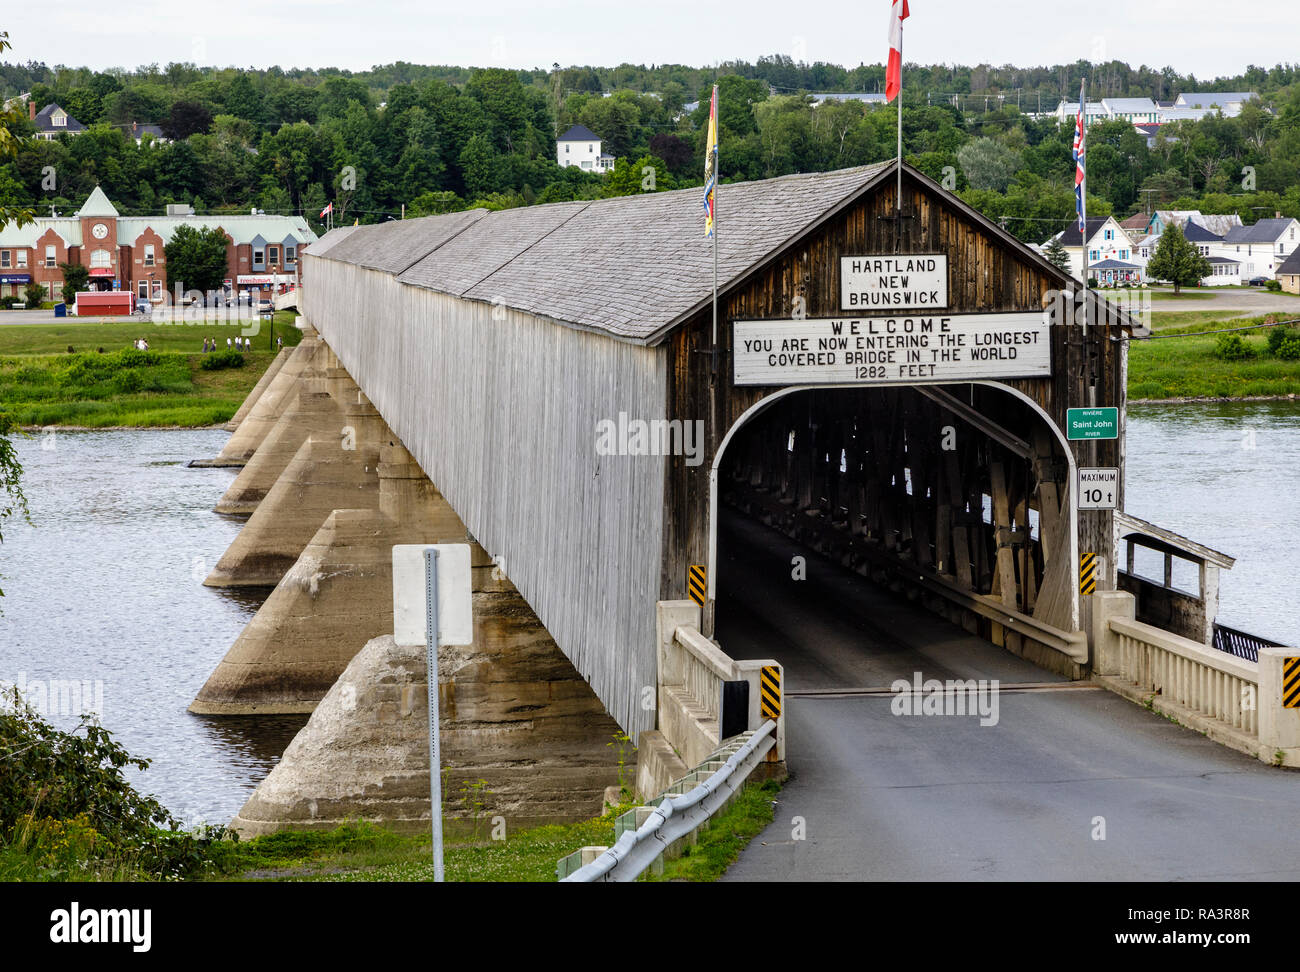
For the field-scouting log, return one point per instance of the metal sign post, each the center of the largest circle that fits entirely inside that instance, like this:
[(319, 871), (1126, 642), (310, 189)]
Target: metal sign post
[(438, 577)]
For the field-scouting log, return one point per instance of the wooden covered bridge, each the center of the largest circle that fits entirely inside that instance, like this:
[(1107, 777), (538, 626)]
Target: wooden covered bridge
[(889, 384)]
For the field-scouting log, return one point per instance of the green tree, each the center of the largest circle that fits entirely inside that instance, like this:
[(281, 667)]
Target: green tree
[(1055, 252), (988, 164), (1177, 261), (196, 258), (75, 277)]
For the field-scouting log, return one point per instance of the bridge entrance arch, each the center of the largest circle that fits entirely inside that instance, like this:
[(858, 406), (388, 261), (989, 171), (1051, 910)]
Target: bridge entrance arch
[(958, 496)]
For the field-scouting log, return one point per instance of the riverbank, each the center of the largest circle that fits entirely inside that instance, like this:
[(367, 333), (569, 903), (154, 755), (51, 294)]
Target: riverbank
[(1180, 363), (89, 375)]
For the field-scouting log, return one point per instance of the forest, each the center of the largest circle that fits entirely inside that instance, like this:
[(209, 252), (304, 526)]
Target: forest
[(413, 139)]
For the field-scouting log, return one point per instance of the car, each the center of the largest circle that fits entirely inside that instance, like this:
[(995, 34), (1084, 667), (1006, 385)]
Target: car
[(265, 306), (1257, 281)]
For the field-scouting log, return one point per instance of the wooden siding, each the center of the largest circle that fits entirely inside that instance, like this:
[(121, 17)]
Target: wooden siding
[(502, 413)]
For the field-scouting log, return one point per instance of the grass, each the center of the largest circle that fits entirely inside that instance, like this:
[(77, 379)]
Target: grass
[(719, 844), (1186, 367), (104, 382)]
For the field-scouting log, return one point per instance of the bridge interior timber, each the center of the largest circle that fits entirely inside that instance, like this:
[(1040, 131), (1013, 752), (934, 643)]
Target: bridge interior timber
[(889, 388)]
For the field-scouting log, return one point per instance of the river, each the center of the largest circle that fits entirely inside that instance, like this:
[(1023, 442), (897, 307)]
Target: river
[(105, 585)]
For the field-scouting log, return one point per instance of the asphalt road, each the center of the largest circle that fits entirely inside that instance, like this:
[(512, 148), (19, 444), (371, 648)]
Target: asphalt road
[(879, 796), (1252, 301)]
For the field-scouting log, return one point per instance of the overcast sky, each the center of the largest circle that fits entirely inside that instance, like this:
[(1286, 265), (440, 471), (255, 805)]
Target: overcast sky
[(1207, 37)]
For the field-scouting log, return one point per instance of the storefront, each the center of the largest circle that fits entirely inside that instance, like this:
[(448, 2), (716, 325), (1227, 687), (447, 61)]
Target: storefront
[(12, 284), (265, 284)]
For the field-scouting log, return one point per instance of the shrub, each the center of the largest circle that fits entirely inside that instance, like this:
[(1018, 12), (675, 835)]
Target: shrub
[(129, 380), (222, 359), (64, 799), (1276, 336), (1289, 350), (8, 302), (1273, 285), (1230, 347)]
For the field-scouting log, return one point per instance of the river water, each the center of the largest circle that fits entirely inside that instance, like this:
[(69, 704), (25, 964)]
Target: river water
[(105, 585)]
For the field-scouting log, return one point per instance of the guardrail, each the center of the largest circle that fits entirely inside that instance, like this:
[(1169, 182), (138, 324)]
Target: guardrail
[(1210, 683), (673, 819), (1240, 643)]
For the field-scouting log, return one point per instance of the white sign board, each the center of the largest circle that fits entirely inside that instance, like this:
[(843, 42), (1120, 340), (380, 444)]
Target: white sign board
[(875, 350), (455, 602), (1098, 487), (899, 281)]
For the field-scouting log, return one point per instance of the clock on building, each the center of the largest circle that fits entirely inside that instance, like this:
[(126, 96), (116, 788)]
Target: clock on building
[(99, 230)]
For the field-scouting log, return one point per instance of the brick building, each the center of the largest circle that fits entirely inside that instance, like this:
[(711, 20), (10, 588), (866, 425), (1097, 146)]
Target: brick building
[(126, 252)]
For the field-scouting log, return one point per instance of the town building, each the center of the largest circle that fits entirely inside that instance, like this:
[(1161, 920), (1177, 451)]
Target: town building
[(52, 121), (1110, 251), (127, 252), (580, 147), (1262, 247), (1288, 274)]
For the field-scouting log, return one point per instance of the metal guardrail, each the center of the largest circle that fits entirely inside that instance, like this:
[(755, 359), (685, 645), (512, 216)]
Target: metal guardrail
[(1240, 643), (676, 816)]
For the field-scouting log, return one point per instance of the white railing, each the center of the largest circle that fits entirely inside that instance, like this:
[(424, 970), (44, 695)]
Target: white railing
[(1210, 683), (698, 668)]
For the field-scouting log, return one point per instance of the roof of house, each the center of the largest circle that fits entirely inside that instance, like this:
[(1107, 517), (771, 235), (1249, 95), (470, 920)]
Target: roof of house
[(1206, 99), (1220, 259), (1291, 264), (1136, 221), (97, 204), (1112, 265), (1194, 232), (579, 133), (629, 267), (1129, 104), (1264, 231), (44, 123), (1070, 235), (141, 128)]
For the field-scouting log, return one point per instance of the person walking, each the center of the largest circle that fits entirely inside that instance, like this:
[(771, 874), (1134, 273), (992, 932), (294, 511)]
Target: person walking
[(228, 344)]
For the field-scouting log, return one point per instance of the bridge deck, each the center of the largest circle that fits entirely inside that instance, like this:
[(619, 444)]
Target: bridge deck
[(888, 797)]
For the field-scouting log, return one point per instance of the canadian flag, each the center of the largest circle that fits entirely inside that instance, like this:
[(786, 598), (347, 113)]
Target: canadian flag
[(326, 211), (894, 72)]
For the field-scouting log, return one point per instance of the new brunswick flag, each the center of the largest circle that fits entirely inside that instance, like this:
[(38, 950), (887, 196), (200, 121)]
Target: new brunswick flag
[(711, 163)]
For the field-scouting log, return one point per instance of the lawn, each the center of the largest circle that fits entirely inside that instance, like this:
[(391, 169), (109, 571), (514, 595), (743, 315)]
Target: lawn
[(86, 373), (1184, 365)]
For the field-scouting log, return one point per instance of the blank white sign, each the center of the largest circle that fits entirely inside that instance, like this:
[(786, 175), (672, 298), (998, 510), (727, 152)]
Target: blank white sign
[(455, 601)]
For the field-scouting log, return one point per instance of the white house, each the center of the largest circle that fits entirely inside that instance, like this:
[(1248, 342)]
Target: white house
[(1110, 251), (1261, 247), (580, 146), (1229, 102)]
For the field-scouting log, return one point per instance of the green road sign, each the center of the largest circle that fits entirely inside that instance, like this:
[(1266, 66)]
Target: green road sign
[(1092, 423)]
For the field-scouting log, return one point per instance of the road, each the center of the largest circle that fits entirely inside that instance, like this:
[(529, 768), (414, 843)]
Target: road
[(932, 798), (1247, 301)]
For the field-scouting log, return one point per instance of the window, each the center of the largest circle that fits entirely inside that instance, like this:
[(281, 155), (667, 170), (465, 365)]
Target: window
[(144, 290), (273, 254), (258, 258), (566, 148), (1092, 255), (1110, 234), (4, 258), (49, 256), (22, 259), (148, 255), (101, 258), (157, 290), (290, 255)]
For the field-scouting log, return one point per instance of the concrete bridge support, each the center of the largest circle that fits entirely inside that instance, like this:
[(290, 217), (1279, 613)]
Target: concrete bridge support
[(255, 395), (261, 418), (330, 471)]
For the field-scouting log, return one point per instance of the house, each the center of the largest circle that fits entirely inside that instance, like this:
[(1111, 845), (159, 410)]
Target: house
[(869, 97), (1106, 241), (1135, 226), (1138, 111), (580, 146), (1067, 111), (127, 252), (1288, 274), (52, 121), (138, 131), (1200, 230), (1229, 102), (1216, 223), (1261, 247)]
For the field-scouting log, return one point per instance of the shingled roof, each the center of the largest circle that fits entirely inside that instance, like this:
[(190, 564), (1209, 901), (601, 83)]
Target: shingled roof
[(632, 267)]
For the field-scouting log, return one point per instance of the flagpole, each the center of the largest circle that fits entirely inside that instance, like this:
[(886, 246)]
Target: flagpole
[(1083, 198), (898, 193)]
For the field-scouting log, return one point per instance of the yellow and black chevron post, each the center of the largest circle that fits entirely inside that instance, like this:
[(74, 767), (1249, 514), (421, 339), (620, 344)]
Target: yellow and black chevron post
[(770, 692), (695, 583), (1087, 573), (1291, 683)]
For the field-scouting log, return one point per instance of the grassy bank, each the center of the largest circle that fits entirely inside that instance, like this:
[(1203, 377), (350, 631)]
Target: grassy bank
[(1184, 364), (89, 374)]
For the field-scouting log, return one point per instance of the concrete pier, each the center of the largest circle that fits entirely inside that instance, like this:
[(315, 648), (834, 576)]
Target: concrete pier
[(268, 376)]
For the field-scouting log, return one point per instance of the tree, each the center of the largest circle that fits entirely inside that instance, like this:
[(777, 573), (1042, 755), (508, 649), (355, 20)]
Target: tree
[(988, 164), (1055, 252), (1177, 261), (187, 118), (34, 294), (196, 258), (75, 277)]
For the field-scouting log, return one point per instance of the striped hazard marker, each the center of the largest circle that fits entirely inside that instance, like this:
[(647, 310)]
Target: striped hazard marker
[(770, 692), (1087, 573), (1291, 683), (695, 583)]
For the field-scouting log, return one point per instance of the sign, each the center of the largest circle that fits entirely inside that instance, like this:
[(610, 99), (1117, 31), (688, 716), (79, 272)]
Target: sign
[(769, 702), (899, 281), (13, 278), (695, 583), (455, 601), (1098, 487), (1092, 423), (877, 350), (1291, 683), (101, 271), (1087, 573), (264, 279)]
